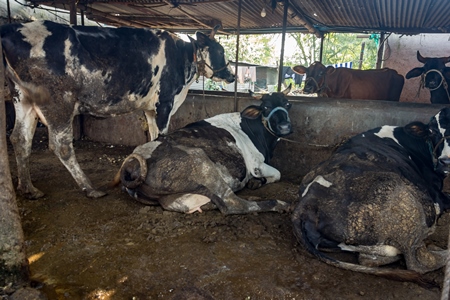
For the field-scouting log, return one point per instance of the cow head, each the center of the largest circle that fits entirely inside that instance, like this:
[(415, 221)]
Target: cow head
[(315, 76), (434, 72), (437, 135), (274, 112), (212, 62)]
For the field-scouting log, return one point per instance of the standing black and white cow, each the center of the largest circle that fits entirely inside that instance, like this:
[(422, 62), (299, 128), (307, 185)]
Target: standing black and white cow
[(57, 71), (207, 161), (379, 195), (435, 76)]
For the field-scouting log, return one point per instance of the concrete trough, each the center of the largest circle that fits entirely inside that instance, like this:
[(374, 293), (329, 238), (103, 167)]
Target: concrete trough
[(319, 124)]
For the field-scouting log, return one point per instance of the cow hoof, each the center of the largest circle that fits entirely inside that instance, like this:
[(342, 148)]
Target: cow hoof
[(33, 195), (255, 183), (95, 194)]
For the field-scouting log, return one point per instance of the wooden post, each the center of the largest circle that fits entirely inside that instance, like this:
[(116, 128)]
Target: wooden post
[(361, 55), (237, 56), (73, 12), (380, 53), (13, 262)]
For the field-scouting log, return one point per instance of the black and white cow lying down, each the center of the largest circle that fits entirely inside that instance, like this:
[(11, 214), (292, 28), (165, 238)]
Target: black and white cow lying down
[(207, 161), (56, 72), (379, 195)]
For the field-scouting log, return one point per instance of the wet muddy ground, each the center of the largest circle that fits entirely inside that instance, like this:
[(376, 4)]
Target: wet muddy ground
[(116, 248)]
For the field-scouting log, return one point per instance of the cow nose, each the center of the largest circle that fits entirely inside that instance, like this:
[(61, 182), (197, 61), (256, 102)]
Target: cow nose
[(284, 128), (231, 78), (443, 165), (307, 89)]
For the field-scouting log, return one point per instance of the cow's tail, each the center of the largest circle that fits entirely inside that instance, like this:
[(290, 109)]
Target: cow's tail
[(394, 274), (133, 171)]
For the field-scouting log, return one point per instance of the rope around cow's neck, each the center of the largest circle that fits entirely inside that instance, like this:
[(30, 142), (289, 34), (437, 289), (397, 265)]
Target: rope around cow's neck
[(443, 82), (320, 88), (201, 64), (434, 149), (264, 121)]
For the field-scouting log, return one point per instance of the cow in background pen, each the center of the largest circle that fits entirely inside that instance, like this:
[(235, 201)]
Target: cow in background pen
[(435, 76), (345, 83), (57, 71)]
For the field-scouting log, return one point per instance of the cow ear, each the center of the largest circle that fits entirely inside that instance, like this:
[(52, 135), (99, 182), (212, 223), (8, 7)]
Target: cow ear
[(202, 39), (251, 112), (300, 69), (417, 129), (414, 73), (191, 39), (330, 69)]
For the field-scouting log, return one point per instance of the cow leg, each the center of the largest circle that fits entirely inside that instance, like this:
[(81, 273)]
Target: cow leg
[(21, 139), (373, 260), (60, 142), (423, 260), (236, 205), (151, 124)]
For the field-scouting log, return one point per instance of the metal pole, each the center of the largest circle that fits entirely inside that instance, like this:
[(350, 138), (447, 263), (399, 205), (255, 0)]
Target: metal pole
[(9, 11), (283, 38), (321, 49), (82, 18), (237, 55)]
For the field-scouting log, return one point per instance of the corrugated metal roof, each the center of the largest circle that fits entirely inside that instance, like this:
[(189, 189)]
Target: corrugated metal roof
[(398, 16)]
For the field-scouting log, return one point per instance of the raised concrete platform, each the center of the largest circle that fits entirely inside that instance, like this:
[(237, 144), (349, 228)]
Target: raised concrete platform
[(319, 124)]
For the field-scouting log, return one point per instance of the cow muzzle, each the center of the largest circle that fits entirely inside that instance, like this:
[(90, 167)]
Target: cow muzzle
[(279, 127), (443, 165)]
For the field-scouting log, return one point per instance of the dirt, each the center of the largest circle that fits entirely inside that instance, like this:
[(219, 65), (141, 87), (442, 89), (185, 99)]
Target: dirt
[(116, 248)]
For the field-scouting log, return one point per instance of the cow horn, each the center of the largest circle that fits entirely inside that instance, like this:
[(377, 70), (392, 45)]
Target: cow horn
[(133, 171), (421, 58), (288, 89), (255, 96), (214, 30)]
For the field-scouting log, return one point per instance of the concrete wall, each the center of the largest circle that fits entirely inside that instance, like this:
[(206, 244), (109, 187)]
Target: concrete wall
[(400, 54), (319, 125)]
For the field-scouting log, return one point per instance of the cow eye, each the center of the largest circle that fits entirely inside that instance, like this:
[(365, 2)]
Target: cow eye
[(288, 105)]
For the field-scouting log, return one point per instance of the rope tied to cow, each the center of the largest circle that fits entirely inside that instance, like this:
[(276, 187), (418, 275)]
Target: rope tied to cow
[(433, 149), (202, 64), (443, 83), (265, 121), (320, 89)]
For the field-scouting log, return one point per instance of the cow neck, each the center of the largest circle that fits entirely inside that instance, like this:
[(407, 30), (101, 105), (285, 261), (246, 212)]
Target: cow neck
[(322, 88), (264, 141)]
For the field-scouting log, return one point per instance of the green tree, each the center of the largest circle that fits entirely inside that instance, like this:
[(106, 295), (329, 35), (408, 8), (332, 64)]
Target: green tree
[(337, 48), (307, 51), (253, 48), (346, 47)]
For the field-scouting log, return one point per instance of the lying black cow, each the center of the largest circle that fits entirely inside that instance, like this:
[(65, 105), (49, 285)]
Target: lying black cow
[(435, 76), (379, 195), (58, 71), (209, 160)]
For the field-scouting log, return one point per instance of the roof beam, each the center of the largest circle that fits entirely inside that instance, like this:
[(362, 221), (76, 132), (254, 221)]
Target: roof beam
[(294, 13)]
